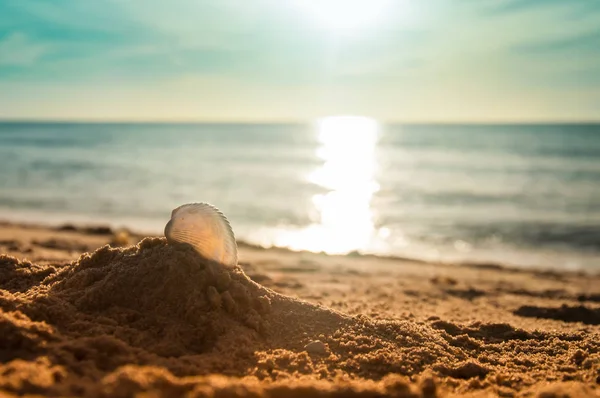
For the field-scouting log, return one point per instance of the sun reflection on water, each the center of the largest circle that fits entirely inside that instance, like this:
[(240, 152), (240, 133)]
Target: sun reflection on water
[(346, 221)]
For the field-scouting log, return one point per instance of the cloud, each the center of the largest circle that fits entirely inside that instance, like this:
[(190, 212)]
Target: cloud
[(17, 50), (587, 42), (568, 61), (511, 6)]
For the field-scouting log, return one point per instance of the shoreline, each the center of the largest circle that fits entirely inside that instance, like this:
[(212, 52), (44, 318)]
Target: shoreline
[(107, 229)]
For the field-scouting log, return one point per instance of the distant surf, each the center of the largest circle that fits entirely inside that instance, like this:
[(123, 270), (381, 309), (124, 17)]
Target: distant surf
[(521, 195)]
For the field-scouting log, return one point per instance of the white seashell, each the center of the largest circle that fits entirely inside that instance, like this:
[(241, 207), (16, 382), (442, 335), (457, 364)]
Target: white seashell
[(206, 229)]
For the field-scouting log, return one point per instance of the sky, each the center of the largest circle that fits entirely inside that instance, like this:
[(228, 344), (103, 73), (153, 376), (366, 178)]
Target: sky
[(296, 60)]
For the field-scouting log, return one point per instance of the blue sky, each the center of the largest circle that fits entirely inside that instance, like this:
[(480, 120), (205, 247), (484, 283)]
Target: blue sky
[(263, 60)]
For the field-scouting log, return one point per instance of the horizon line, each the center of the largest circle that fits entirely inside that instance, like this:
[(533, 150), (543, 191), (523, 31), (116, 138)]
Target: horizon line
[(295, 121)]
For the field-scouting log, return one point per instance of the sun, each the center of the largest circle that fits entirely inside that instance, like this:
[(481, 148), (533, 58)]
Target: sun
[(346, 14)]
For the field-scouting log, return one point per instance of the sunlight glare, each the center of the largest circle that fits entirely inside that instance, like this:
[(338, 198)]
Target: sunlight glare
[(348, 174), (345, 14)]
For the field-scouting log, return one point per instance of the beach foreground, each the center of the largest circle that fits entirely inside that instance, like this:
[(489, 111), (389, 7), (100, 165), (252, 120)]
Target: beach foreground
[(152, 318)]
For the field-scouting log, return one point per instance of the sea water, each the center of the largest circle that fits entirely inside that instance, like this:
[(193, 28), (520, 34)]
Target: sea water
[(526, 195)]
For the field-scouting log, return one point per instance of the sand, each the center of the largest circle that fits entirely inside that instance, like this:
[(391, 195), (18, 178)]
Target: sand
[(80, 317)]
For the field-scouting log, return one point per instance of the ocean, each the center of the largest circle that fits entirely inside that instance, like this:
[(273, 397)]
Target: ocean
[(523, 195)]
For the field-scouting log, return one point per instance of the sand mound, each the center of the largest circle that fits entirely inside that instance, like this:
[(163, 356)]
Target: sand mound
[(155, 317)]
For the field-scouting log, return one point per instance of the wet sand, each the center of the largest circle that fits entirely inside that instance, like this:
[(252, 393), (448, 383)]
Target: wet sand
[(79, 317)]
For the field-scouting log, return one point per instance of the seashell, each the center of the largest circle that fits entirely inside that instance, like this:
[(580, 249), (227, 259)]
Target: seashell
[(206, 229)]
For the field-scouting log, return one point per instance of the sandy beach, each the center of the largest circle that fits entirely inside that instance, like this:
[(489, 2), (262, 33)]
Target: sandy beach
[(303, 198), (90, 311)]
